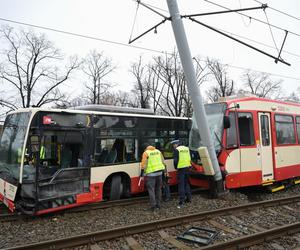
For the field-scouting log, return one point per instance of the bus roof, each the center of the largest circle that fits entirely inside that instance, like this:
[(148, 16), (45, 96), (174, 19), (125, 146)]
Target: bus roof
[(80, 111), (116, 109)]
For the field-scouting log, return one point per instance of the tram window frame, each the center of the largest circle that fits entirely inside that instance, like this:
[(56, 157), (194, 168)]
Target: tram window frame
[(298, 128), (232, 131), (246, 137), (281, 123), (265, 130)]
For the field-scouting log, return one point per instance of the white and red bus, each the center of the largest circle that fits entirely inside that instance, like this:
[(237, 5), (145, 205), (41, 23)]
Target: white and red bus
[(259, 144), (56, 159)]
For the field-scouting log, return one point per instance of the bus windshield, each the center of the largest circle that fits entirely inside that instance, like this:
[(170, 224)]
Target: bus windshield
[(214, 114), (11, 145)]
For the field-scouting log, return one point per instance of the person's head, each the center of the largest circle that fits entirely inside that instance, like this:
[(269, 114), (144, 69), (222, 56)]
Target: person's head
[(145, 145), (175, 143)]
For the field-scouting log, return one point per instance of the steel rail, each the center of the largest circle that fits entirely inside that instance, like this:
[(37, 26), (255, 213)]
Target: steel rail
[(256, 238), (122, 202), (5, 217), (149, 226)]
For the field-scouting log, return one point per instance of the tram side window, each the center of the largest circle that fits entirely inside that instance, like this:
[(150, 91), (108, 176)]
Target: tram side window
[(264, 130), (245, 122), (285, 133), (231, 137), (298, 128)]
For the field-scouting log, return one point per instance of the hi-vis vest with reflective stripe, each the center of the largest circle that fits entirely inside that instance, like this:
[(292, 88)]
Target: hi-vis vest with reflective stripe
[(42, 153), (154, 161), (184, 157)]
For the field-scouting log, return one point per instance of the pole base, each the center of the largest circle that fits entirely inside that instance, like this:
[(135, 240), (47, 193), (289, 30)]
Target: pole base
[(216, 188)]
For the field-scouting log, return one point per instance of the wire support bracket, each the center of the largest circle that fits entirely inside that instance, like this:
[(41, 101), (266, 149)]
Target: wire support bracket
[(279, 55), (263, 6), (239, 41)]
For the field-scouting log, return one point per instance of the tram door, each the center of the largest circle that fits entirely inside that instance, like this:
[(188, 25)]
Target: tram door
[(265, 146)]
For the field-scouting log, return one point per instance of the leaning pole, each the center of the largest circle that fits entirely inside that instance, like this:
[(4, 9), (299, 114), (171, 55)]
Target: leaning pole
[(194, 91)]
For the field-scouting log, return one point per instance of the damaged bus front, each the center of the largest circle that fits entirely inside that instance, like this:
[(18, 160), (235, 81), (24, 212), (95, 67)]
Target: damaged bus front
[(44, 160)]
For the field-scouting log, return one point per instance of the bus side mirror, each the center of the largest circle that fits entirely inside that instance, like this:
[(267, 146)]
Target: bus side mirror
[(226, 122)]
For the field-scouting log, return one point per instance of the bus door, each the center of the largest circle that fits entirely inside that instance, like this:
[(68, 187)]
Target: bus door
[(265, 146)]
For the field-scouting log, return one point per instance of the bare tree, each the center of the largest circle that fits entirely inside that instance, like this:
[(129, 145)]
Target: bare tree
[(261, 84), (141, 87), (293, 97), (224, 86), (126, 99), (96, 66), (170, 84), (161, 85), (29, 70)]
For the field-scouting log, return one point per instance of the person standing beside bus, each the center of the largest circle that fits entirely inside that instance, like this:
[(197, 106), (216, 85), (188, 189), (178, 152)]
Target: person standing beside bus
[(182, 163), (152, 166)]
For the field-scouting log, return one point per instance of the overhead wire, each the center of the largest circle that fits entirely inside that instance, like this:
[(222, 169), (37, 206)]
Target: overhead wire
[(80, 35), (264, 44), (253, 18), (246, 25), (131, 46), (279, 11), (271, 31), (255, 70), (134, 20)]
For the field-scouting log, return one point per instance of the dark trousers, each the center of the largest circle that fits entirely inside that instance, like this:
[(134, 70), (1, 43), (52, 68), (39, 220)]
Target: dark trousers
[(166, 194), (184, 188), (154, 184)]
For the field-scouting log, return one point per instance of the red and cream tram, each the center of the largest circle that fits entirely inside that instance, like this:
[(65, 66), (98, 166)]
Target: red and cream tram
[(260, 147)]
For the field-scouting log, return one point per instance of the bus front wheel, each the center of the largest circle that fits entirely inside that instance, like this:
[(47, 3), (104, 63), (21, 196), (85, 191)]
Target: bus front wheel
[(116, 188)]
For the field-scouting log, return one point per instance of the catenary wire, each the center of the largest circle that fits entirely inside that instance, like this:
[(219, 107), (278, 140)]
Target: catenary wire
[(271, 31), (80, 35), (293, 54), (134, 20), (279, 11), (129, 46), (253, 18)]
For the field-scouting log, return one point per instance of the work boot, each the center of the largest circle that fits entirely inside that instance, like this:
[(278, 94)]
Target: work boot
[(180, 205), (188, 200)]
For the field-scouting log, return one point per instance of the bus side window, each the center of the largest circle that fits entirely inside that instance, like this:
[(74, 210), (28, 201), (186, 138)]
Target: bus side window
[(231, 137)]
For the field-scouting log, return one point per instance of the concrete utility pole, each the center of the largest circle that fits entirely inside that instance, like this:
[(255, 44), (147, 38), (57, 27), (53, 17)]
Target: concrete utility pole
[(194, 91)]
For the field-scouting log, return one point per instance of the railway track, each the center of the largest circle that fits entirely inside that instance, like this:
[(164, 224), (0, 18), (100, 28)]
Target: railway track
[(5, 215), (236, 226)]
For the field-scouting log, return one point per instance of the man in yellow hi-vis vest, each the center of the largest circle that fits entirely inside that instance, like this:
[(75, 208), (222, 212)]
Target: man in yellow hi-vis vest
[(182, 162), (152, 166)]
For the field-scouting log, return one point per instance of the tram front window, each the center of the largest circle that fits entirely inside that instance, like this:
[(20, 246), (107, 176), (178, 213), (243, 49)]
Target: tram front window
[(11, 146), (215, 116)]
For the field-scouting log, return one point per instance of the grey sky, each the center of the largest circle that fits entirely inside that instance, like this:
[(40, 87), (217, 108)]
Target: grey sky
[(112, 20)]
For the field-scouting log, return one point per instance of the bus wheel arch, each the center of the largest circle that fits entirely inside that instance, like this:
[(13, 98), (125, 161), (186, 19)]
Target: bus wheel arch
[(116, 186)]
